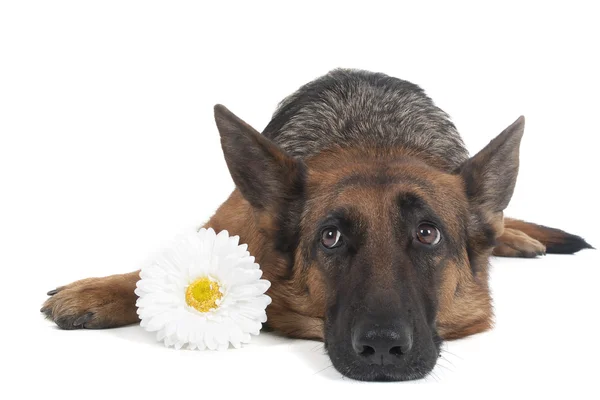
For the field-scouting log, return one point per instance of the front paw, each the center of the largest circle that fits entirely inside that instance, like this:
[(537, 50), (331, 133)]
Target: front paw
[(93, 303)]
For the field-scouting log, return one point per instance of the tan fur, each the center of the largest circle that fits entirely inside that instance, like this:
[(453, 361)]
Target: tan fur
[(299, 296), (465, 306), (515, 243), (102, 302)]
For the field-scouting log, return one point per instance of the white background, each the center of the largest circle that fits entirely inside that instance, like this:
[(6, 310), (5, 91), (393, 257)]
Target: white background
[(108, 150)]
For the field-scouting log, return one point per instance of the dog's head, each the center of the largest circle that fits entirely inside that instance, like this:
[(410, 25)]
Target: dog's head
[(399, 245)]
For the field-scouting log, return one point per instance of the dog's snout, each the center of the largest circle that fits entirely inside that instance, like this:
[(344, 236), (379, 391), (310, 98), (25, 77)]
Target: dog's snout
[(384, 345)]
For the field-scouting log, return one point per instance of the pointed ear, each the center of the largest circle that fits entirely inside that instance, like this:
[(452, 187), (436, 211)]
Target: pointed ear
[(265, 175), (490, 175)]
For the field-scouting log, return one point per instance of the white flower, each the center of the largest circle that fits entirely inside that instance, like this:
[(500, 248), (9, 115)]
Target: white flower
[(204, 292)]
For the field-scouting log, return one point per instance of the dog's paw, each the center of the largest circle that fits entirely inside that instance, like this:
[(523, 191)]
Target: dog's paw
[(514, 243), (93, 303)]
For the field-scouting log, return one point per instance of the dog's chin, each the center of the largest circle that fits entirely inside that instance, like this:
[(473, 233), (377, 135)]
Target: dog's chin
[(379, 373), (414, 367)]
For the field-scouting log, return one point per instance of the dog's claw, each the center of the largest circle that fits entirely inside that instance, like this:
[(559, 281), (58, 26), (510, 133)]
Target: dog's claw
[(82, 320), (52, 292)]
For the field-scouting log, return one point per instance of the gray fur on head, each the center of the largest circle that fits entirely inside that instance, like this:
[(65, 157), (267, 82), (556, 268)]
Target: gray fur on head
[(358, 108)]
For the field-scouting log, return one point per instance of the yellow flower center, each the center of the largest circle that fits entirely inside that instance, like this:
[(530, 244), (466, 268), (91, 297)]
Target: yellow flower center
[(203, 294)]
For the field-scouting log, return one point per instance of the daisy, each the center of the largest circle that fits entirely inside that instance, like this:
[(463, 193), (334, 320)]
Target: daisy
[(203, 292)]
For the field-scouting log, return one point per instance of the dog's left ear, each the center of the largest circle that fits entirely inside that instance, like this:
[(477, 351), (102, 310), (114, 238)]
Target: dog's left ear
[(265, 175), (490, 175)]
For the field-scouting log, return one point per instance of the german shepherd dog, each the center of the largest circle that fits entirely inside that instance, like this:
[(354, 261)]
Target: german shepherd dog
[(362, 207)]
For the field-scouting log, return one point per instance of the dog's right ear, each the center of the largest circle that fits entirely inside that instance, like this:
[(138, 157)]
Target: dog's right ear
[(265, 175)]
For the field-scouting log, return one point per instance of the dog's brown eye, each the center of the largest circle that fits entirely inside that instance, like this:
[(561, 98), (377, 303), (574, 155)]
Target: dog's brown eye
[(428, 234), (331, 238)]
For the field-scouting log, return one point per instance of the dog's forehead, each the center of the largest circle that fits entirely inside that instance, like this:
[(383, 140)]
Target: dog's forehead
[(345, 178), (374, 187)]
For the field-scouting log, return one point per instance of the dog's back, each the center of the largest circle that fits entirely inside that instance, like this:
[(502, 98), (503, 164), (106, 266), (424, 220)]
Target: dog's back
[(353, 108)]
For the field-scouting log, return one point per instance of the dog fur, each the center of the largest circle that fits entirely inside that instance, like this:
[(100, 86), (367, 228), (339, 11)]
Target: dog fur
[(373, 150)]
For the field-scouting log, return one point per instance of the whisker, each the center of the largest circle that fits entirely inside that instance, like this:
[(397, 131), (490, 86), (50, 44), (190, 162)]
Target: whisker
[(434, 376), (319, 346), (321, 370), (443, 366), (448, 361), (452, 354)]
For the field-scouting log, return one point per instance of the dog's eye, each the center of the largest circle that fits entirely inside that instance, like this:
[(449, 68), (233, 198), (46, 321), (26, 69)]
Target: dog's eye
[(428, 234), (331, 238)]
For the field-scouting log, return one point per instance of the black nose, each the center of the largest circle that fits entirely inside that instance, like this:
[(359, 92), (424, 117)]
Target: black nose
[(382, 344)]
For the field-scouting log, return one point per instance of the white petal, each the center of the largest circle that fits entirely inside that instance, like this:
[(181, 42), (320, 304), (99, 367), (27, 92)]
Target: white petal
[(241, 276), (158, 321), (210, 342), (159, 298), (179, 345), (250, 290), (247, 324), (246, 338), (223, 347), (221, 242)]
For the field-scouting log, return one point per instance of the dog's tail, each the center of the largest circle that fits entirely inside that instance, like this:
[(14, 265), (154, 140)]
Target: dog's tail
[(555, 240)]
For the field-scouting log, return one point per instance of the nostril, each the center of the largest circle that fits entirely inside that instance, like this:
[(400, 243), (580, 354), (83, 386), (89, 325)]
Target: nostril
[(367, 351), (382, 344), (397, 351)]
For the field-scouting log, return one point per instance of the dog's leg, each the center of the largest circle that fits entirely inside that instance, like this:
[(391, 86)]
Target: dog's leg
[(109, 302), (514, 243), (94, 303), (525, 239)]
